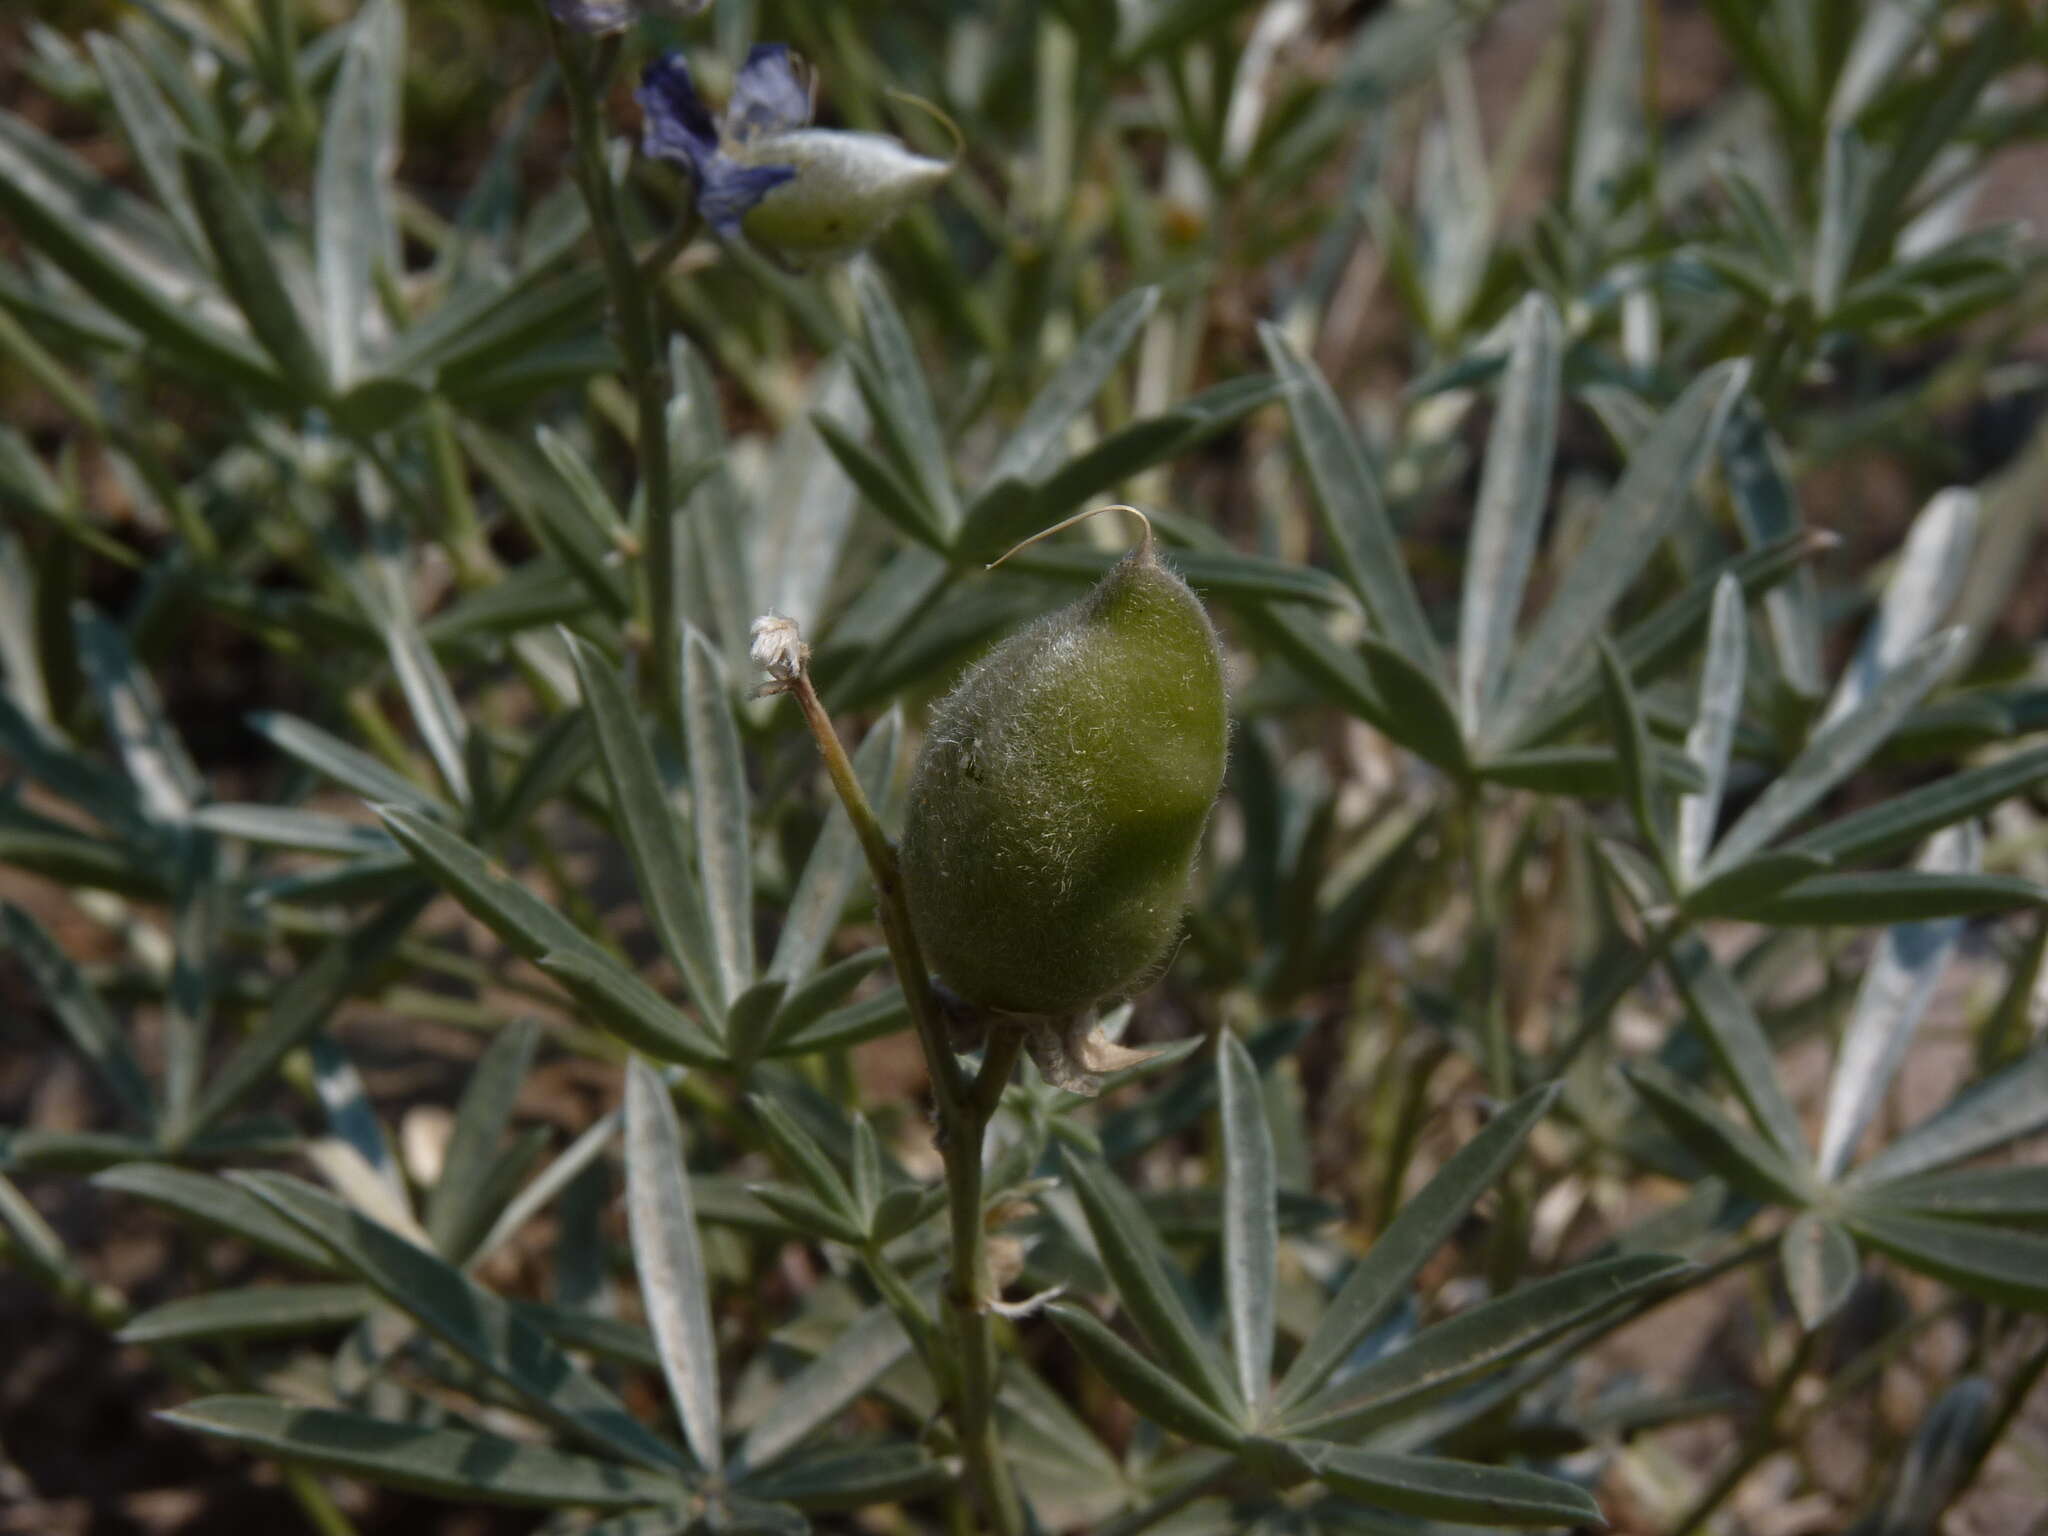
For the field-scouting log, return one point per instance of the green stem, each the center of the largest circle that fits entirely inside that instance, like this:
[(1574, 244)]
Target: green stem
[(965, 1107), (640, 345)]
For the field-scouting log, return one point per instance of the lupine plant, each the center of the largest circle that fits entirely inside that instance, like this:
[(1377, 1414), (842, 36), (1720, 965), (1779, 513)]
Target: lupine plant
[(1226, 1016)]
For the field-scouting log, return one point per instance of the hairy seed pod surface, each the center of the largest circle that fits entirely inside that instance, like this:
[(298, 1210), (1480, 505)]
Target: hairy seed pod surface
[(1061, 794)]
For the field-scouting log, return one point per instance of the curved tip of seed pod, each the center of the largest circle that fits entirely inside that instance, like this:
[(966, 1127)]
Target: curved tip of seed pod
[(933, 110), (1144, 539)]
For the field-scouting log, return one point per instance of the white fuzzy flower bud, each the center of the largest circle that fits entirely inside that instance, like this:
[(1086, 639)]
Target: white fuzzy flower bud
[(778, 647)]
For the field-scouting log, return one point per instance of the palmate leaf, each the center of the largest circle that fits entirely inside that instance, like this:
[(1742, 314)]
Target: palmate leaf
[(1473, 1343), (1836, 751), (1745, 1160), (448, 1463), (1379, 1281), (1639, 512), (535, 930), (483, 1328)]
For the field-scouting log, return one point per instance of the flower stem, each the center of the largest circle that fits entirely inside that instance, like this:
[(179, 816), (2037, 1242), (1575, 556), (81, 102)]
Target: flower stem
[(640, 346), (965, 1107)]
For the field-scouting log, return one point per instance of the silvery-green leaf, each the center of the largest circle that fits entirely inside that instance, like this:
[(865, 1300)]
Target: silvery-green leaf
[(809, 1161), (1888, 33), (1836, 751), (123, 254), (1821, 1264), (1760, 490), (1902, 820), (350, 767), (1513, 489), (456, 1216), (250, 272), (218, 1206), (552, 1180), (1713, 728), (670, 1261), (1637, 515), (900, 398), (861, 1354), (250, 1312), (1845, 208), (80, 1011), (1138, 1266), (481, 1327), (1633, 753), (1158, 1395), (1472, 1343), (1034, 443), (1925, 582), (879, 484), (156, 760), (2011, 1195), (661, 868), (720, 812), (1347, 498), (1251, 1240), (352, 1119), (1378, 1281), (807, 510), (621, 1002), (1745, 1160), (352, 228), (382, 585), (1940, 1460), (305, 1002), (1896, 896), (855, 1478), (1436, 1488), (2002, 1108), (1738, 1043), (2010, 1268), (278, 826), (153, 132), (1898, 984), (449, 1463)]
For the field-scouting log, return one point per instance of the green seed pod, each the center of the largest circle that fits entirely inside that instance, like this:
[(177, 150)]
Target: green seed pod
[(1060, 798), (847, 188)]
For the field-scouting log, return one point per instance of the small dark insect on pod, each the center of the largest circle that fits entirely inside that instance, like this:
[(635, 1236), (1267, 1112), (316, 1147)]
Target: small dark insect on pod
[(1060, 798)]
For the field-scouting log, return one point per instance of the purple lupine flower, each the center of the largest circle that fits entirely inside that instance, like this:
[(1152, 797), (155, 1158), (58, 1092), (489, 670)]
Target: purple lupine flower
[(804, 195)]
